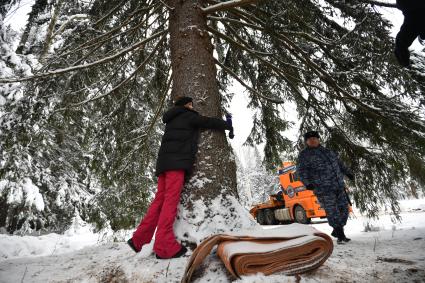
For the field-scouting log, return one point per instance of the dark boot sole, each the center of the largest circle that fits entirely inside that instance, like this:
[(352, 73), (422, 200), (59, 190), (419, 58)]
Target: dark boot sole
[(180, 253), (131, 245)]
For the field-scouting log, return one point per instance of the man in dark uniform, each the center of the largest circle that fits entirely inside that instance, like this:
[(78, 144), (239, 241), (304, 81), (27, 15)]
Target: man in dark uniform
[(174, 164), (413, 26), (322, 171)]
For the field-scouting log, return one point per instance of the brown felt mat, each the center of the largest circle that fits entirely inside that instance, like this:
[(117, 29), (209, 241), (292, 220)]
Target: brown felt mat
[(290, 249)]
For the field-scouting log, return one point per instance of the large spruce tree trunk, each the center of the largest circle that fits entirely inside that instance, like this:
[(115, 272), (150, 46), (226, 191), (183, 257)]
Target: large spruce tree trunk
[(209, 199)]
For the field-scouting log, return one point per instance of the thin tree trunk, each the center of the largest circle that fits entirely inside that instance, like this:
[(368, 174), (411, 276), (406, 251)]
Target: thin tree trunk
[(37, 8), (50, 29), (194, 74)]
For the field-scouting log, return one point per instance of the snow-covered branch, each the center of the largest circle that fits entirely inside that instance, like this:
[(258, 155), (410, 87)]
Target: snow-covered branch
[(123, 82), (379, 3), (84, 66), (70, 19), (144, 137), (227, 5), (113, 33)]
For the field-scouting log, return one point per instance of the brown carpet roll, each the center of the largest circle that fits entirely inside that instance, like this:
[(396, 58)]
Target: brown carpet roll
[(291, 249)]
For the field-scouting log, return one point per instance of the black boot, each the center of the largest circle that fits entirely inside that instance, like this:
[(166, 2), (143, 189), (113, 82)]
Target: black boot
[(180, 253), (344, 238), (339, 235), (334, 234), (132, 246)]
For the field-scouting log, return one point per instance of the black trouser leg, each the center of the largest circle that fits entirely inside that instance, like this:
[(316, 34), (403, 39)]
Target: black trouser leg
[(405, 37)]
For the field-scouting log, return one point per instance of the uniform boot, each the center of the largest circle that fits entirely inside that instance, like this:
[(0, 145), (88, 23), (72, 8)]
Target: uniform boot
[(344, 238), (334, 234), (339, 234)]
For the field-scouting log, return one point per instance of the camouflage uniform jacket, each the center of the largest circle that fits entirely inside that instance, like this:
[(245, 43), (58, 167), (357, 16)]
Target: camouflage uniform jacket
[(321, 168)]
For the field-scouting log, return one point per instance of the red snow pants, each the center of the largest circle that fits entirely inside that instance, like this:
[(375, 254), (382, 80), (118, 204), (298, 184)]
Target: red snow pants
[(161, 215)]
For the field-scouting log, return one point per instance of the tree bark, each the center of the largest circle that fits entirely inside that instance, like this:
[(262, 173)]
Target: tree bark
[(194, 75), (37, 8)]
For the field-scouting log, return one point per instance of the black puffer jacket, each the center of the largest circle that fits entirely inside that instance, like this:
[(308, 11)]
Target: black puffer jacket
[(180, 141)]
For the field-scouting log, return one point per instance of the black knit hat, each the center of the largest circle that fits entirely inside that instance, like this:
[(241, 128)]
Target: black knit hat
[(183, 101), (311, 134)]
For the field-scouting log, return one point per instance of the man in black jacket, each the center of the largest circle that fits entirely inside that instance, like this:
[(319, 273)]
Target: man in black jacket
[(413, 26), (175, 161)]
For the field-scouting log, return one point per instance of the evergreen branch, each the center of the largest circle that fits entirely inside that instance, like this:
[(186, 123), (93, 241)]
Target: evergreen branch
[(255, 27), (231, 41), (127, 33), (123, 82), (236, 77), (246, 24), (222, 6), (243, 46), (255, 20), (62, 27), (319, 111), (108, 77), (379, 3), (144, 136), (301, 128), (300, 54), (246, 44), (110, 13), (323, 75), (85, 66), (275, 68), (110, 34)]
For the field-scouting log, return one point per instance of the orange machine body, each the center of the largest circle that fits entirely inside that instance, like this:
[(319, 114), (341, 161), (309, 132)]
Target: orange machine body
[(301, 203), (295, 193)]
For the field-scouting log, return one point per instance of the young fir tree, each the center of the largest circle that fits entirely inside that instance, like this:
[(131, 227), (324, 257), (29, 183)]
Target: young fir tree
[(105, 70)]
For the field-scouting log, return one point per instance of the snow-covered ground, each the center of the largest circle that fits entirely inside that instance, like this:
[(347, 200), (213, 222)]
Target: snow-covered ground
[(78, 236), (389, 252)]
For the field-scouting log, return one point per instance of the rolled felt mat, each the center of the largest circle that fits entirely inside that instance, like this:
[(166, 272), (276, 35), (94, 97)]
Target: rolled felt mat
[(291, 249)]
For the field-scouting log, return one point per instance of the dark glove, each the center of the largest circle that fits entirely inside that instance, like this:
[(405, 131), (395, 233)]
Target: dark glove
[(231, 134), (229, 122), (310, 187), (351, 176)]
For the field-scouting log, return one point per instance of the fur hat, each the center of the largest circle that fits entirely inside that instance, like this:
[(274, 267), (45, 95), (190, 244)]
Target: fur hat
[(181, 101), (311, 134)]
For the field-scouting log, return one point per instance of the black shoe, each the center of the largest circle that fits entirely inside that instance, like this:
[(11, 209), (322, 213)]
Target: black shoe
[(338, 233), (180, 253), (344, 238), (130, 243)]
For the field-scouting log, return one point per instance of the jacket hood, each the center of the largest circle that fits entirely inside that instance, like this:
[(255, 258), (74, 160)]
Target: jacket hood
[(174, 112)]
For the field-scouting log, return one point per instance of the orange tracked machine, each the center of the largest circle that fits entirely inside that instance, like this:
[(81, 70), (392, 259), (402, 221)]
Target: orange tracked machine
[(293, 202)]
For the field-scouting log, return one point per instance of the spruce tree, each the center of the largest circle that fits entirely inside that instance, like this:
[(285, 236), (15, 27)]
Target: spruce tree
[(104, 73)]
